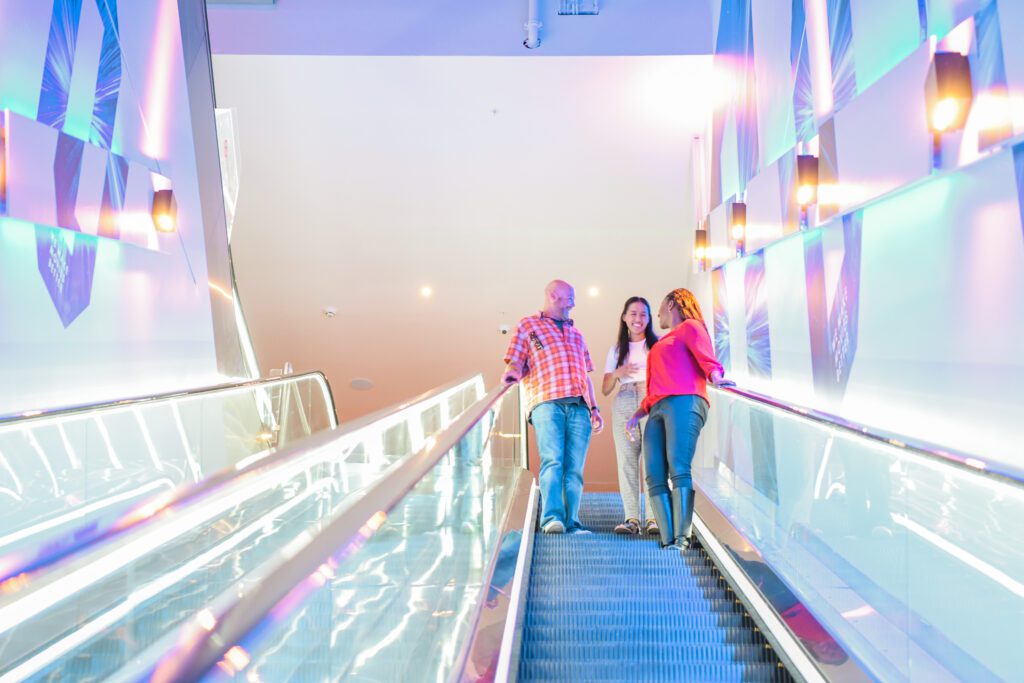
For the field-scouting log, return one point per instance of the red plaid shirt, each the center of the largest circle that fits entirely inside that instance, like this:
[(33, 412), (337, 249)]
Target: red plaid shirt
[(554, 362)]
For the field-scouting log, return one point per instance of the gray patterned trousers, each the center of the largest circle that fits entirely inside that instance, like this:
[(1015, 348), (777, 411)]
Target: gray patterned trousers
[(628, 453)]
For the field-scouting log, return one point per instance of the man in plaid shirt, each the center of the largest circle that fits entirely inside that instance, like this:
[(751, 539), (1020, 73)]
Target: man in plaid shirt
[(548, 354)]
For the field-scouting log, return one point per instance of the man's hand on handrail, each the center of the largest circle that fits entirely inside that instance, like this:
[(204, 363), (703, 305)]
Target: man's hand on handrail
[(511, 375)]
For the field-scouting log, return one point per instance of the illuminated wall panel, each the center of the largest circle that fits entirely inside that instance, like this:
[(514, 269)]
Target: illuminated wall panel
[(899, 310), (94, 304), (1011, 23), (885, 32), (882, 137)]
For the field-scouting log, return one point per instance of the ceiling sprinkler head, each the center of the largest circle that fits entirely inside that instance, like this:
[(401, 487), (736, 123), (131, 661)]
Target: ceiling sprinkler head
[(330, 312)]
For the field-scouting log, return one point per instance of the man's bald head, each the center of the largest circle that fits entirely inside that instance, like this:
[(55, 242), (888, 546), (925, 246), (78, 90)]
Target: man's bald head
[(559, 299)]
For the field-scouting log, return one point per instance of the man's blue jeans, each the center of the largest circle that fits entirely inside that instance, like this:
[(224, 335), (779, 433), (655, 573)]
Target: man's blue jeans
[(563, 434)]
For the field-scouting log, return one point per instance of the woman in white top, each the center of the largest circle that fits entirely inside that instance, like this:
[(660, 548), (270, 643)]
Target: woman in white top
[(627, 367)]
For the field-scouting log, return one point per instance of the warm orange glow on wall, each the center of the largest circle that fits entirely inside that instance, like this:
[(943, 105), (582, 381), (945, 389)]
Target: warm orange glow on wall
[(807, 179), (948, 91), (804, 195), (944, 114), (992, 110), (155, 111), (165, 211)]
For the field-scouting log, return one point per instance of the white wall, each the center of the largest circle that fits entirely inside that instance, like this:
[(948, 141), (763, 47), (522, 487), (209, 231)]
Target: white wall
[(365, 178)]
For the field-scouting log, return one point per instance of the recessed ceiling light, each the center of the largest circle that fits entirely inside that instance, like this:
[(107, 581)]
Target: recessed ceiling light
[(593, 291), (361, 384), (426, 291)]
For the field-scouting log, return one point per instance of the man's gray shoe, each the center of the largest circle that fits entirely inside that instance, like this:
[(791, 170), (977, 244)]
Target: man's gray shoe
[(553, 527)]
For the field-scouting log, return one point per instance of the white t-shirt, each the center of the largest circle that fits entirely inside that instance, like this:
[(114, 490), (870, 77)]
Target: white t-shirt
[(637, 354)]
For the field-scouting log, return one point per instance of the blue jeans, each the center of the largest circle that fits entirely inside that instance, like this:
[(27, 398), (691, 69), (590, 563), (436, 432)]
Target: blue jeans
[(670, 441), (563, 434)]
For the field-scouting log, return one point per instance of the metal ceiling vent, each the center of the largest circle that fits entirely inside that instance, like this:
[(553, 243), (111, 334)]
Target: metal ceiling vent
[(578, 7)]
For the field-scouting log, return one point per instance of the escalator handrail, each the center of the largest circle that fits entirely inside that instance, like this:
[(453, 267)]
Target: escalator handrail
[(203, 648), (138, 514), (28, 417), (914, 445)]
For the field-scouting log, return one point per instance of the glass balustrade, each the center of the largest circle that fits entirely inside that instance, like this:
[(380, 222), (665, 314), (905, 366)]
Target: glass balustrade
[(402, 606), (59, 471), (121, 601), (912, 561)]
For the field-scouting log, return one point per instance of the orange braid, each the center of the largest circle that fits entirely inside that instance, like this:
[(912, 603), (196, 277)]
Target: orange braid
[(686, 302)]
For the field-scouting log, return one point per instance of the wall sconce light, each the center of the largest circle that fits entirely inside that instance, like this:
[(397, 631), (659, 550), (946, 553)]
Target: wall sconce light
[(165, 211), (700, 248), (806, 184), (948, 94), (738, 226)]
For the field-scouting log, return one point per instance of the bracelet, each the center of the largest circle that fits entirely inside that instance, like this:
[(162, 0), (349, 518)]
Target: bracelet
[(595, 409)]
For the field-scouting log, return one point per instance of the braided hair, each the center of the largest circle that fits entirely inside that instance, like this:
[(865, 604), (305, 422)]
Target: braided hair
[(684, 300)]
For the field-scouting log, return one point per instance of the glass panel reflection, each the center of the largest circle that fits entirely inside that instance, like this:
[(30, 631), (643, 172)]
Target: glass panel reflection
[(912, 562), (120, 604), (402, 606)]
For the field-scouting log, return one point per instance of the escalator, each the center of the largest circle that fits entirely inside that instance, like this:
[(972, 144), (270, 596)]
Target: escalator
[(604, 607), (403, 548)]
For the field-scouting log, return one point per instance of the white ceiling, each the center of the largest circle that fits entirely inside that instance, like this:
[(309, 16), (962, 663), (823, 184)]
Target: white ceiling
[(363, 179)]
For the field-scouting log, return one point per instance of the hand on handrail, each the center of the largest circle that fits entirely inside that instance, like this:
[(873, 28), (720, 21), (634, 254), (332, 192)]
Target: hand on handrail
[(511, 375)]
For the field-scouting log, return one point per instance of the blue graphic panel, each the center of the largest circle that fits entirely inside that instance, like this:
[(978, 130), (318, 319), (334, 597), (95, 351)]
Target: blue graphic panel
[(747, 147), (60, 57), (803, 93), (833, 328), (720, 300), (988, 72), (67, 168), (3, 166), (759, 356), (787, 192), (66, 261), (840, 32), (108, 80), (828, 164), (113, 196), (1018, 162)]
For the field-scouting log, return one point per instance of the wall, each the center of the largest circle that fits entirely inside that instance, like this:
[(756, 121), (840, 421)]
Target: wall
[(482, 177), (897, 306), (105, 103)]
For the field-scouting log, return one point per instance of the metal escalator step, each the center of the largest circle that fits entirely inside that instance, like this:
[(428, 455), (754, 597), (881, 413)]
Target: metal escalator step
[(645, 634), (681, 651), (637, 617), (652, 672), (603, 607)]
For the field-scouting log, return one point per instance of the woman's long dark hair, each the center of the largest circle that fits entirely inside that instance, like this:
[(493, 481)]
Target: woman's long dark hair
[(649, 335)]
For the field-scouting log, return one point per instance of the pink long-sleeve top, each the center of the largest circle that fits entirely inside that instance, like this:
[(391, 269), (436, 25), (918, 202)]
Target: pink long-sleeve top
[(680, 364)]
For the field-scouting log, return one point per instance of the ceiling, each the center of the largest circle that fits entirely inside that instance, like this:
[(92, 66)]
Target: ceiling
[(459, 27)]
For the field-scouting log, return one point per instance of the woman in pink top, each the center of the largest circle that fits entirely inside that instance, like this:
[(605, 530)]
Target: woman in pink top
[(678, 369)]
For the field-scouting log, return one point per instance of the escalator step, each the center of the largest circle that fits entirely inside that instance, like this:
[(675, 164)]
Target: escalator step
[(603, 607)]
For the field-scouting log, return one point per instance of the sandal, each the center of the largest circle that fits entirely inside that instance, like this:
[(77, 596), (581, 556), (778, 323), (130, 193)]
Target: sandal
[(651, 529), (630, 527)]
